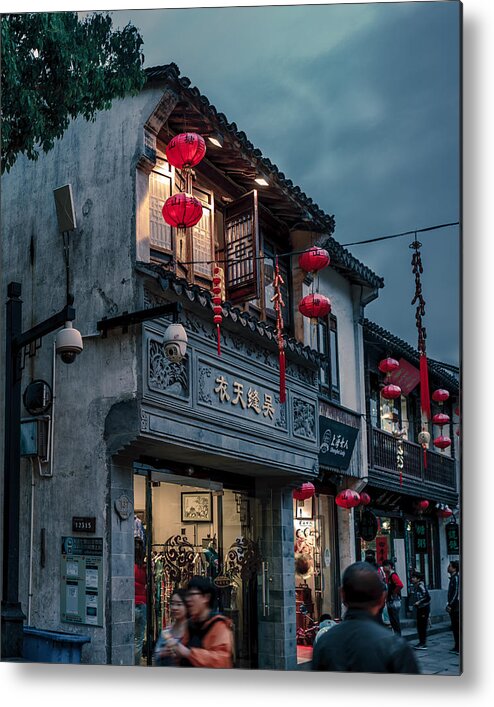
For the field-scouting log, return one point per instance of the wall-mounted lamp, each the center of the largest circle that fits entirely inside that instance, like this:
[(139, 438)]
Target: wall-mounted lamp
[(216, 139), (261, 181)]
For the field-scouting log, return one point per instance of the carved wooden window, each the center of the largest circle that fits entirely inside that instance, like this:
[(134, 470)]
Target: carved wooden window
[(202, 235), (242, 249), (160, 186), (327, 340)]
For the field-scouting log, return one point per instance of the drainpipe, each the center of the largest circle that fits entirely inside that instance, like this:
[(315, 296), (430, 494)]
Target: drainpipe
[(31, 545)]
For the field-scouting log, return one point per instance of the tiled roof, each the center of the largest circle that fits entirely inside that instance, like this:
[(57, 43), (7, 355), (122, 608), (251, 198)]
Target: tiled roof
[(401, 347), (350, 266), (194, 293)]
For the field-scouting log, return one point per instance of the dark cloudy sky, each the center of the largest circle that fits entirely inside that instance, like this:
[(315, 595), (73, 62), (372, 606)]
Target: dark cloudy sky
[(358, 104)]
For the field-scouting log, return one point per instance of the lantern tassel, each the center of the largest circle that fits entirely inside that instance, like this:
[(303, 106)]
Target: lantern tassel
[(425, 402), (218, 338), (282, 377)]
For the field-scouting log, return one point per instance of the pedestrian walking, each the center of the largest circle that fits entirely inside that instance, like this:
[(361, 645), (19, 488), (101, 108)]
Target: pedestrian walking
[(453, 606), (422, 604), (175, 631), (359, 643), (208, 640), (140, 599), (393, 600)]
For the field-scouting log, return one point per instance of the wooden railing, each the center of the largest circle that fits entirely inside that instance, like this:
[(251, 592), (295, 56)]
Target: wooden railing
[(383, 453)]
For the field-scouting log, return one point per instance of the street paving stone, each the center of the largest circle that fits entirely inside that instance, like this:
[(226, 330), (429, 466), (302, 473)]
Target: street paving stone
[(437, 660)]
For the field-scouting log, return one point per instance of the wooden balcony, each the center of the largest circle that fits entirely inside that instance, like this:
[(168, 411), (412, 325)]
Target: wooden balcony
[(438, 480)]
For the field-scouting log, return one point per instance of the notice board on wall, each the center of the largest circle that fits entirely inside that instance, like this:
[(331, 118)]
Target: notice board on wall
[(81, 589)]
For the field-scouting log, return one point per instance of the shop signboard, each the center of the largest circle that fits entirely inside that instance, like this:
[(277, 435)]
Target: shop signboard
[(336, 443), (406, 376), (81, 591), (452, 538), (420, 537), (368, 525)]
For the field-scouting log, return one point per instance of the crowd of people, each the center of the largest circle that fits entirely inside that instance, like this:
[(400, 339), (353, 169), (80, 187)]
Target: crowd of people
[(198, 636)]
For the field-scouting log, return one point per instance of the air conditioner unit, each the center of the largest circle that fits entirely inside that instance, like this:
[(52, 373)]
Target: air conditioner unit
[(35, 437)]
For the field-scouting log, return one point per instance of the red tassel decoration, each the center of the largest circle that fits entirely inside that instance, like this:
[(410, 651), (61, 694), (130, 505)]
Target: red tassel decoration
[(217, 309), (425, 457), (278, 306), (425, 402)]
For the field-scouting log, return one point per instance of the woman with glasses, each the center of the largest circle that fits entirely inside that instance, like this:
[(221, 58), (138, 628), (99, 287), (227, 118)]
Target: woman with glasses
[(174, 632), (208, 641)]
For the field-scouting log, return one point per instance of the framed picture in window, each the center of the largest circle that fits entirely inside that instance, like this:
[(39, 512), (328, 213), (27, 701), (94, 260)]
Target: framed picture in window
[(197, 507), (305, 508)]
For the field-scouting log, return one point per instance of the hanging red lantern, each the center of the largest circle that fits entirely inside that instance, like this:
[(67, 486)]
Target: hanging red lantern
[(444, 511), (440, 395), (347, 499), (307, 490), (182, 210), (390, 392), (440, 419), (388, 365), (314, 259), (185, 150), (442, 442), (423, 505), (365, 499), (314, 306)]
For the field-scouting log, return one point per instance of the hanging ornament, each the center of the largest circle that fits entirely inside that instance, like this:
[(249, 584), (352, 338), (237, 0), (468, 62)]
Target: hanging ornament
[(440, 419), (390, 392), (314, 259), (388, 365), (442, 442), (365, 499), (443, 511), (424, 440), (307, 490), (182, 210), (278, 304), (314, 306), (423, 505), (347, 499), (440, 395), (186, 150), (217, 308)]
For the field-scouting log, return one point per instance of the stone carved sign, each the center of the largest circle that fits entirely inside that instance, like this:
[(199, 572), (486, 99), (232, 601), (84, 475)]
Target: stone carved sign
[(233, 394)]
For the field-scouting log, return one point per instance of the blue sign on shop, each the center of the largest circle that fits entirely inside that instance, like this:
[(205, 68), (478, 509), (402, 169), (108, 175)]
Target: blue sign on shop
[(336, 443)]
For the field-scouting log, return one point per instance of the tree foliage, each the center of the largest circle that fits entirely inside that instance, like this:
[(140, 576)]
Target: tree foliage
[(56, 66)]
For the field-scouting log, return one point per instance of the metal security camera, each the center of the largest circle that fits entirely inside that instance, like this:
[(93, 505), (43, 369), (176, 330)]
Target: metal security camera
[(175, 342), (68, 343)]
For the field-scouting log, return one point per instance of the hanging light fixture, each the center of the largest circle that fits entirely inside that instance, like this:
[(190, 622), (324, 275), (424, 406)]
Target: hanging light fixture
[(391, 391), (365, 499), (440, 395), (388, 365), (314, 259), (443, 511), (307, 490), (314, 306), (442, 442), (185, 150), (423, 505), (347, 499), (182, 210)]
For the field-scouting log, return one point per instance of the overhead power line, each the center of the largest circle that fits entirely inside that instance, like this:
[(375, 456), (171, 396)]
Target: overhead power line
[(405, 233)]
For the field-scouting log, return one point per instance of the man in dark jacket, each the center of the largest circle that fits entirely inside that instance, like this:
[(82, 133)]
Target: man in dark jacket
[(453, 607), (360, 643)]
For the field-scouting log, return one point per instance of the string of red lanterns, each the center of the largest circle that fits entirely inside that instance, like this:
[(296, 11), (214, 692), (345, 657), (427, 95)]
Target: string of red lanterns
[(278, 304), (440, 396)]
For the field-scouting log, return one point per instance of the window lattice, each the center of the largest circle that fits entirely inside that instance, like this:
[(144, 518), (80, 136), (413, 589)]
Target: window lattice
[(160, 233)]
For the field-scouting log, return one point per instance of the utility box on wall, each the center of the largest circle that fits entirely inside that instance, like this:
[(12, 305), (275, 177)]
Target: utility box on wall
[(81, 590), (34, 437)]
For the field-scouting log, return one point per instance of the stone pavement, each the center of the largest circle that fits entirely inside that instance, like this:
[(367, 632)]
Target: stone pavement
[(436, 660)]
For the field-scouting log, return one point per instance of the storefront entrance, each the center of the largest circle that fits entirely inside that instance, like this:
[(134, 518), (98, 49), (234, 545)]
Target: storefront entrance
[(200, 527)]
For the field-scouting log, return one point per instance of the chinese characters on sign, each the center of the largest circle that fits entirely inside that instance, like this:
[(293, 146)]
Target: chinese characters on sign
[(420, 537), (249, 399), (452, 539), (337, 443)]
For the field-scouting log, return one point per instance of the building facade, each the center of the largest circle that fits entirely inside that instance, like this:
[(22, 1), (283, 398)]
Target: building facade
[(198, 458)]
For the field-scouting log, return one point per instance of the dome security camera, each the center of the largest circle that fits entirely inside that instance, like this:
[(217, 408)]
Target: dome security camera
[(175, 342), (68, 343)]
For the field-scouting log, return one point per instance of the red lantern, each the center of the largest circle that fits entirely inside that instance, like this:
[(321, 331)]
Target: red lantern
[(185, 150), (442, 442), (314, 306), (440, 395), (314, 259), (182, 210), (444, 512), (365, 499), (440, 419), (388, 365), (423, 505), (304, 492), (390, 392), (347, 499)]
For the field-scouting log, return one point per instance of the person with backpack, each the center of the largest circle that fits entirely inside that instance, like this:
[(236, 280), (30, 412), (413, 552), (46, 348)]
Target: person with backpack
[(393, 599), (208, 639), (422, 603)]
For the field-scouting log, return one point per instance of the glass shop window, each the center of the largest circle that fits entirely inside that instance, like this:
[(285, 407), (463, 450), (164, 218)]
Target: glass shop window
[(327, 345)]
